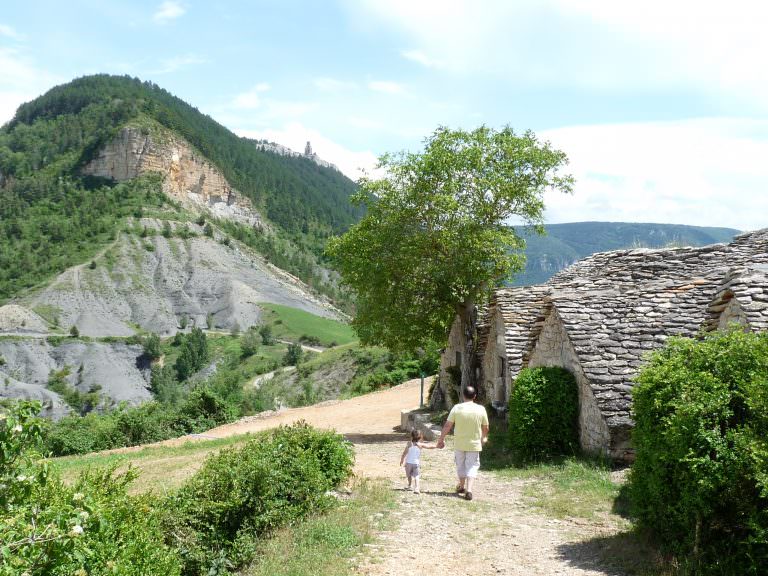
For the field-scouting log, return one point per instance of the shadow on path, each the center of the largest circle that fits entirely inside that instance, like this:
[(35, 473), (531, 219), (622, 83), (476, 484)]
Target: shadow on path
[(622, 554), (376, 438)]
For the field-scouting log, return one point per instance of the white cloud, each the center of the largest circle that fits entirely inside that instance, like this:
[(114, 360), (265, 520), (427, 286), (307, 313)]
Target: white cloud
[(169, 65), (421, 58), (169, 10), (251, 99), (20, 81), (333, 85), (9, 32), (682, 45), (386, 87), (704, 172), (294, 135)]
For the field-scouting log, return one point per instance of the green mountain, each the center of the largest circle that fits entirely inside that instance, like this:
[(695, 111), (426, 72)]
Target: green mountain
[(53, 215), (564, 244)]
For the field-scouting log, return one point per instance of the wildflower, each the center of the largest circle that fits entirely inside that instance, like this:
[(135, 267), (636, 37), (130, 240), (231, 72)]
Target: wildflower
[(84, 515), (78, 496), (77, 530), (17, 429), (21, 478)]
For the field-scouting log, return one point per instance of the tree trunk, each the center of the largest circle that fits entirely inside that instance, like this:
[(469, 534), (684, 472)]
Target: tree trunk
[(466, 311)]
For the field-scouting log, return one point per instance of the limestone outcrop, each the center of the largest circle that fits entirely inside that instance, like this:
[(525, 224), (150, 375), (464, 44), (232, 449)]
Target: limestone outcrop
[(188, 176)]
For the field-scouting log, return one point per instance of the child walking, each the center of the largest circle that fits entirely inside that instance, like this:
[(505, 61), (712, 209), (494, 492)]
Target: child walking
[(411, 456)]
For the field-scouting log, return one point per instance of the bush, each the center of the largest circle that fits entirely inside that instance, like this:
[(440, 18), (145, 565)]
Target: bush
[(240, 494), (249, 343), (293, 355), (266, 335), (152, 346), (700, 480), (93, 527), (543, 414)]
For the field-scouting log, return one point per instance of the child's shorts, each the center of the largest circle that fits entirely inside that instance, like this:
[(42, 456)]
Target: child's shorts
[(412, 470)]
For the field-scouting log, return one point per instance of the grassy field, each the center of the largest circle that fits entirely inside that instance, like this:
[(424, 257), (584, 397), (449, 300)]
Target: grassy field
[(291, 324), (161, 468), (327, 545)]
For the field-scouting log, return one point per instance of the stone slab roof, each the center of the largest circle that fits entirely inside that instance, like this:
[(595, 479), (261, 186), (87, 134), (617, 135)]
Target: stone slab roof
[(618, 306), (523, 311)]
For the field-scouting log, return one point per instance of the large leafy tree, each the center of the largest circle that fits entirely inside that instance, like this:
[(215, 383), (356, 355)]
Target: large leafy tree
[(436, 232)]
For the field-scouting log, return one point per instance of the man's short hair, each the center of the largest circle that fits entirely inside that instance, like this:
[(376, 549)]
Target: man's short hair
[(470, 393)]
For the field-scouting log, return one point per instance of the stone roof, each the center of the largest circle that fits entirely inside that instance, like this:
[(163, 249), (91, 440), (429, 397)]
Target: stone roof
[(618, 306), (522, 308)]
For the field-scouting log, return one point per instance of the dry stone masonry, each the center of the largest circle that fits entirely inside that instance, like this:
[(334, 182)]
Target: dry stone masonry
[(600, 318)]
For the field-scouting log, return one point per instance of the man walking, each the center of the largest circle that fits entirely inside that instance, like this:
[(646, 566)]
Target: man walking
[(471, 422)]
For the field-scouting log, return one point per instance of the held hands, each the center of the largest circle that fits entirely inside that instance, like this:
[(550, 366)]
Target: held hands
[(441, 443)]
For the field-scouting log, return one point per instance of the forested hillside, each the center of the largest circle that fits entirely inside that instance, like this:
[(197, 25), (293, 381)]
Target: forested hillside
[(52, 217), (564, 244)]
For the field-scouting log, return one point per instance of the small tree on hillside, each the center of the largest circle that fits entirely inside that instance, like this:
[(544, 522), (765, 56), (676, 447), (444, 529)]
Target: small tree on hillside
[(437, 234)]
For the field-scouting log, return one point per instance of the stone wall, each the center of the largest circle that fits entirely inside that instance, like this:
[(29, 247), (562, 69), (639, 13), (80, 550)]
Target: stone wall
[(456, 345), (732, 314), (188, 177), (496, 387), (554, 348)]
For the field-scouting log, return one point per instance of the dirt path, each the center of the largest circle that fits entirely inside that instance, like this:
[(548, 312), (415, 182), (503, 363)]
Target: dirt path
[(435, 532), (438, 533)]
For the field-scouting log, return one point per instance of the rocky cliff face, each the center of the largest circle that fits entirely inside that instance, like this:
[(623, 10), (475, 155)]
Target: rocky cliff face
[(118, 370), (189, 177)]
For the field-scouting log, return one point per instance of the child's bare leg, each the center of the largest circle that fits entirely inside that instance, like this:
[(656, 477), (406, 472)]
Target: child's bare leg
[(470, 483), (416, 484)]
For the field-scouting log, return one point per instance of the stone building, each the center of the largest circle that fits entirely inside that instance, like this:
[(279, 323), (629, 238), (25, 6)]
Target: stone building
[(603, 315)]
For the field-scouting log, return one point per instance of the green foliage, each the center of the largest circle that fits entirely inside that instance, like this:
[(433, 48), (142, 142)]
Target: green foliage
[(266, 335), (700, 480), (50, 223), (543, 414), (203, 408), (92, 527), (436, 234), (293, 355), (240, 494), (249, 342), (152, 346), (193, 355), (80, 402)]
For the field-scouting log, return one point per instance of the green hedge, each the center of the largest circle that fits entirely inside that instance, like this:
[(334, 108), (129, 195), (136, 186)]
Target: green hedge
[(239, 494), (543, 414), (700, 480)]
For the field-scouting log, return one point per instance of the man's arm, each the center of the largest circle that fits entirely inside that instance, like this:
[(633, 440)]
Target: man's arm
[(485, 429), (447, 427)]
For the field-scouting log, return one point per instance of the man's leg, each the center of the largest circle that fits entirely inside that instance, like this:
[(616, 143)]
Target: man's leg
[(472, 465), (460, 470)]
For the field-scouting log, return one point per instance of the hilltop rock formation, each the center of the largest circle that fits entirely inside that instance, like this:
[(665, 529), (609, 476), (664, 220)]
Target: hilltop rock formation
[(189, 177)]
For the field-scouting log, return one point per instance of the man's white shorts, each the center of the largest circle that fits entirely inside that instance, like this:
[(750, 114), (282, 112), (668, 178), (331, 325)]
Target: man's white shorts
[(467, 463)]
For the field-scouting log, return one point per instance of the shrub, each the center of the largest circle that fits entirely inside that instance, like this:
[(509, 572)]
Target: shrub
[(93, 527), (249, 343), (543, 414), (700, 480), (293, 355), (266, 335), (74, 332), (242, 493), (152, 346)]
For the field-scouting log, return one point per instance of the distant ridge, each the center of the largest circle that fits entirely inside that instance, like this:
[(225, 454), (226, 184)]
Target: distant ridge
[(564, 244)]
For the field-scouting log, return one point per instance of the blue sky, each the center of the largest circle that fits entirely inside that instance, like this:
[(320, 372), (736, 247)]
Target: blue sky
[(662, 106)]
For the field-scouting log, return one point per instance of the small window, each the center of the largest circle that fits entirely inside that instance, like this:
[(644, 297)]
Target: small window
[(458, 359), (502, 367)]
